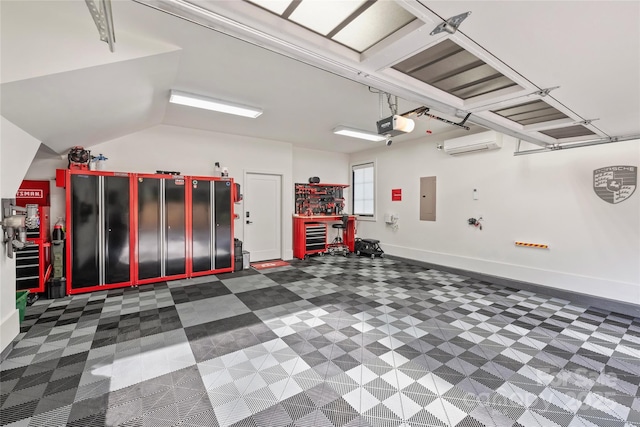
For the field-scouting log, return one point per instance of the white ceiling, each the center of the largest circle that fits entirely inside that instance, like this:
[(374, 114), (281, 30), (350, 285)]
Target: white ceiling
[(61, 84)]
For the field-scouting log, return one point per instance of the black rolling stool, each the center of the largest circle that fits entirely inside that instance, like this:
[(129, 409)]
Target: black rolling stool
[(338, 244)]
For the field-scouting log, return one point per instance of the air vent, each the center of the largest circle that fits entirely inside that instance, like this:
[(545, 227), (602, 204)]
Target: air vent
[(450, 68), (531, 113), (568, 132)]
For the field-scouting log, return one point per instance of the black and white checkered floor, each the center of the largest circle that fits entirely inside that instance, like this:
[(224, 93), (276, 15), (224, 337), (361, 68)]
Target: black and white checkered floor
[(325, 342)]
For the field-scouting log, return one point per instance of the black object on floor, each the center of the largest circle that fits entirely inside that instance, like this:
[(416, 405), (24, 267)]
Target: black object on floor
[(368, 247), (56, 288)]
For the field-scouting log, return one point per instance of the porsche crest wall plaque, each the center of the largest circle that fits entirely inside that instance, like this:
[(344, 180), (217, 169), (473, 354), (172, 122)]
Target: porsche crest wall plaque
[(615, 184)]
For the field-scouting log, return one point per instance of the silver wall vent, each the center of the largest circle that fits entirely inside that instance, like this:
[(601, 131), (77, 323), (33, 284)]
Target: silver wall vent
[(531, 113), (450, 68)]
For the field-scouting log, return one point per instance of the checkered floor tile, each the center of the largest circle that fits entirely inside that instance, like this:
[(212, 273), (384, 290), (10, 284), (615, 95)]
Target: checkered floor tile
[(327, 342)]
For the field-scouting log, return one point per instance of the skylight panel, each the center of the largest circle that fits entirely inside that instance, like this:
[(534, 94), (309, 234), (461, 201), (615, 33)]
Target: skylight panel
[(323, 16), (377, 22)]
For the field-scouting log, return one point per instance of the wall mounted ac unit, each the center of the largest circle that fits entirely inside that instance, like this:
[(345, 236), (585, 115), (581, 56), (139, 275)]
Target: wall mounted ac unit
[(483, 141)]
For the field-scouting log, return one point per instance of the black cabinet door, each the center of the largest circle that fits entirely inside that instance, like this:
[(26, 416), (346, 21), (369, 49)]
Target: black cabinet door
[(116, 229), (149, 259), (85, 253), (224, 239), (175, 227), (201, 228)]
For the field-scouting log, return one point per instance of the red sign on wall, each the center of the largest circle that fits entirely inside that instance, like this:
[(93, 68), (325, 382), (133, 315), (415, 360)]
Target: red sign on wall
[(396, 195)]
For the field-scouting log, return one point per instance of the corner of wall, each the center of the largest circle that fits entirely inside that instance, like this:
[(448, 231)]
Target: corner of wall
[(9, 329), (9, 325), (17, 150)]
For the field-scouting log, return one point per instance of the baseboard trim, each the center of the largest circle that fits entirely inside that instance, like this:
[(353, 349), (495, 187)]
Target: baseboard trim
[(9, 330), (6, 352), (593, 302)]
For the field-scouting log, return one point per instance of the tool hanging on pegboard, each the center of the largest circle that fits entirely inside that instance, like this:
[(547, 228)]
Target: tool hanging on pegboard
[(319, 199)]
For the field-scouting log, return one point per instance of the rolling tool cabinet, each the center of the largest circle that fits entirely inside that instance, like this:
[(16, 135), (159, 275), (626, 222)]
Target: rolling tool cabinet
[(33, 267), (33, 262), (127, 229), (315, 238)]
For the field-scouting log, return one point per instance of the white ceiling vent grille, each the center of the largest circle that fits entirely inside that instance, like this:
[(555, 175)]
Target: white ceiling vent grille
[(476, 143), (450, 68)]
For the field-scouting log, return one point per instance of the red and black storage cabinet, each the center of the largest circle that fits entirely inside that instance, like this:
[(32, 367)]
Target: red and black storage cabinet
[(128, 229)]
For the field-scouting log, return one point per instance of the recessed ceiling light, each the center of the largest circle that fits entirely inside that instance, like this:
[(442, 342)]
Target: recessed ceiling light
[(207, 103)]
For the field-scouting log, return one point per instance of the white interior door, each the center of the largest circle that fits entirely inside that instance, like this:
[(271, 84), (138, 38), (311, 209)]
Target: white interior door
[(263, 217)]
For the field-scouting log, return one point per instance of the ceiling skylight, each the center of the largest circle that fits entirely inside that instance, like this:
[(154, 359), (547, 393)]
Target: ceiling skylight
[(568, 132), (374, 24), (450, 68), (531, 113), (316, 16), (357, 24)]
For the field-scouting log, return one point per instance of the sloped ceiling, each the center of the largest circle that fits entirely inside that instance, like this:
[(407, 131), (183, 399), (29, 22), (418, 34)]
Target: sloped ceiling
[(63, 86)]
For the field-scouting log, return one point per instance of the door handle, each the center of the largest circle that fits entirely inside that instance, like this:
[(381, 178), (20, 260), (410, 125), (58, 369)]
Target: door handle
[(249, 222)]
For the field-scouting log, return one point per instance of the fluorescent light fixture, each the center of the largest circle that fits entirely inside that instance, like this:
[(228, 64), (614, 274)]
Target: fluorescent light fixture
[(356, 133), (207, 103)]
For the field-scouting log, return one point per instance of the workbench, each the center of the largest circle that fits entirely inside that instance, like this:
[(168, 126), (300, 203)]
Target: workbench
[(310, 233)]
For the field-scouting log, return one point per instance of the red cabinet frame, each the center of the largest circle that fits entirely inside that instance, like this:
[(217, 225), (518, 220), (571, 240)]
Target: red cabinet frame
[(63, 178)]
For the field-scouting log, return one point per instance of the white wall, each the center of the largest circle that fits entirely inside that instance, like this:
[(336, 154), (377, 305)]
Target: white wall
[(594, 246), (194, 152), (17, 149), (330, 167), (43, 169)]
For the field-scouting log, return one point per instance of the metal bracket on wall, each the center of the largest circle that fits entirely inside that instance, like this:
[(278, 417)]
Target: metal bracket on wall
[(103, 17), (450, 25)]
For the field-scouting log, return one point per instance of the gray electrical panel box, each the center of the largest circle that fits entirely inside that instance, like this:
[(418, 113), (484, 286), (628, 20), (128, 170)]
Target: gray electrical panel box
[(428, 198)]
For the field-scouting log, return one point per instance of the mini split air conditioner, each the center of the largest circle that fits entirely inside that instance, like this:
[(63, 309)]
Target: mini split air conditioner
[(484, 141)]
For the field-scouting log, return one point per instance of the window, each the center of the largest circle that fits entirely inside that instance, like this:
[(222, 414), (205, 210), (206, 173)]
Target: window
[(362, 177)]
